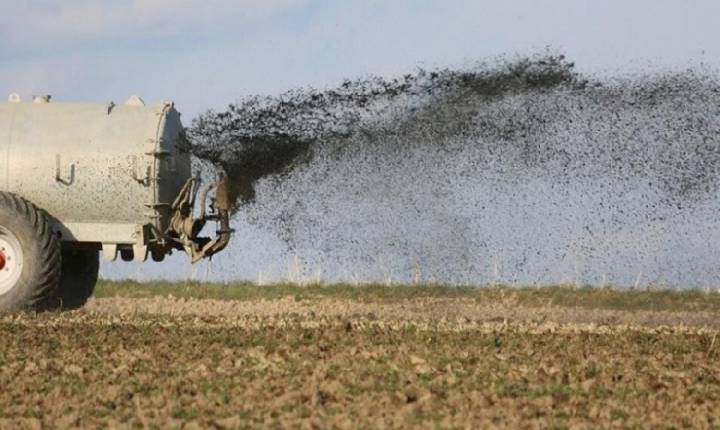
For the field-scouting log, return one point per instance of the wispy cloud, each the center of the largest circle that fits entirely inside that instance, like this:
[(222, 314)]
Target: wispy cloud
[(205, 53), (28, 24)]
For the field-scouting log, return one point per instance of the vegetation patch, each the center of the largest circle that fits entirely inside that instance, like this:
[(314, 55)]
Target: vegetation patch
[(625, 299)]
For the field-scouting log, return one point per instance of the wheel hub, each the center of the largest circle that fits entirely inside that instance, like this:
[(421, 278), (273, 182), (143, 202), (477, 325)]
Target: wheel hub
[(11, 260)]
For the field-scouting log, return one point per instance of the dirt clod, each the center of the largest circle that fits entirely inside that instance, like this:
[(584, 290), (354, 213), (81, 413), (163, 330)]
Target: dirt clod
[(451, 362)]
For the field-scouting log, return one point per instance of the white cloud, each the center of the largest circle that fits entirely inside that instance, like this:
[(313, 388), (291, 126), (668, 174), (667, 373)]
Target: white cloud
[(205, 53), (29, 24)]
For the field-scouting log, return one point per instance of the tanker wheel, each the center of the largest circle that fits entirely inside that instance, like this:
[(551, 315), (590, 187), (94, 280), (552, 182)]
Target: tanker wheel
[(30, 257), (79, 276)]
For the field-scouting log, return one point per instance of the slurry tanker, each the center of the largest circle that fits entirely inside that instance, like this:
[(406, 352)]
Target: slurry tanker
[(78, 179)]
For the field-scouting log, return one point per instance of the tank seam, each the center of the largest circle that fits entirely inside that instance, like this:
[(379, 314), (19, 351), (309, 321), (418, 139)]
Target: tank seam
[(156, 162)]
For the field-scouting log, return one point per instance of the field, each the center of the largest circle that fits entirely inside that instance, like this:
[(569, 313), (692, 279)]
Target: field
[(243, 356)]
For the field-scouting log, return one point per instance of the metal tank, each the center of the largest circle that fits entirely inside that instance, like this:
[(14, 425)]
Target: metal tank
[(110, 177)]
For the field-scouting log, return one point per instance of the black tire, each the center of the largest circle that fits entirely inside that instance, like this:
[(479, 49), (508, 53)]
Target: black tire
[(79, 275), (39, 255)]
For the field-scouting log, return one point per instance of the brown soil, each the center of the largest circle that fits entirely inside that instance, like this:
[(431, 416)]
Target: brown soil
[(424, 362)]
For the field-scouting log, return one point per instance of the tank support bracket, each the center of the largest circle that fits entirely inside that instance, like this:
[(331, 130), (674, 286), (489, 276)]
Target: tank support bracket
[(185, 229)]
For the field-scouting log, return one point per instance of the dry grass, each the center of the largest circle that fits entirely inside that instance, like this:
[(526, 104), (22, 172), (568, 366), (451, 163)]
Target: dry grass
[(347, 357), (627, 299)]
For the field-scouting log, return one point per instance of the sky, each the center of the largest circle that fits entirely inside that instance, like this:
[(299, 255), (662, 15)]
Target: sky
[(206, 54)]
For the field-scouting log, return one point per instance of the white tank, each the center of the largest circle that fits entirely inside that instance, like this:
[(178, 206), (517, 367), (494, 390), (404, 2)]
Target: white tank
[(103, 172), (79, 178)]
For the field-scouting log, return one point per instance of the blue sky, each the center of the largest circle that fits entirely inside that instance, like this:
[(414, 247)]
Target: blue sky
[(205, 54)]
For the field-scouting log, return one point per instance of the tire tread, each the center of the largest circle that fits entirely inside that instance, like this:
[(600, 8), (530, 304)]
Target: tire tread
[(46, 277)]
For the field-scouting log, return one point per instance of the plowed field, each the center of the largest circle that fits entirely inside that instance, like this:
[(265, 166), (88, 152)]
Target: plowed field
[(348, 357)]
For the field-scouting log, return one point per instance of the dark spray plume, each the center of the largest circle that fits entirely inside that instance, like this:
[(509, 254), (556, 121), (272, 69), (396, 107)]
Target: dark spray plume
[(518, 171), (260, 136)]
